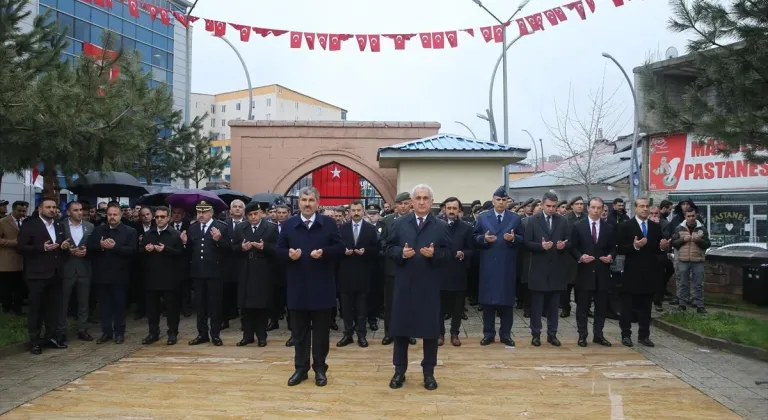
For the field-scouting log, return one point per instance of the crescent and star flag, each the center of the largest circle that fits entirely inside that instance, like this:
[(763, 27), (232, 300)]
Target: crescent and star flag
[(579, 8), (362, 40), (498, 34), (100, 57), (438, 40), (426, 40), (133, 8), (181, 19), (375, 42), (537, 24), (453, 41), (164, 17), (400, 39), (337, 184), (296, 39), (310, 38), (322, 39), (245, 31), (470, 31), (487, 33), (591, 5), (523, 27)]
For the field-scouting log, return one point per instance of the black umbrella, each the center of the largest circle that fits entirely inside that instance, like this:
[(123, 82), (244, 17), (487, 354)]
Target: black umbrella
[(157, 196), (272, 198), (231, 195), (108, 184)]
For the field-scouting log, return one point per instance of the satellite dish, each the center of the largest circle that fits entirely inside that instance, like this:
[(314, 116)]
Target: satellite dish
[(671, 53)]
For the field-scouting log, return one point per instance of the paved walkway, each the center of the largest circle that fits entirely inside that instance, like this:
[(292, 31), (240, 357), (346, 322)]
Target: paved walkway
[(727, 378)]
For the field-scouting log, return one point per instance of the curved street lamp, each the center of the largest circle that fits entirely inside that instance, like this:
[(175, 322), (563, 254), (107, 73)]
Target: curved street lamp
[(247, 77), (467, 127), (535, 151)]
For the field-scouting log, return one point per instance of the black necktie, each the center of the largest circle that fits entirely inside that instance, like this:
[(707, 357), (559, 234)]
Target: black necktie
[(499, 217), (18, 222), (420, 223), (549, 223)]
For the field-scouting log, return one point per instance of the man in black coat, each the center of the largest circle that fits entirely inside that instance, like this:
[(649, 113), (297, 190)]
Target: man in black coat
[(356, 269), (181, 224), (546, 237), (282, 213), (453, 286), (576, 214), (39, 241), (230, 269), (418, 244), (641, 241), (253, 244), (376, 294), (161, 250), (593, 246), (112, 246), (207, 242)]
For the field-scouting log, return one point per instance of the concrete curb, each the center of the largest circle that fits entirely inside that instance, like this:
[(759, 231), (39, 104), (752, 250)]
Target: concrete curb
[(736, 309), (716, 343)]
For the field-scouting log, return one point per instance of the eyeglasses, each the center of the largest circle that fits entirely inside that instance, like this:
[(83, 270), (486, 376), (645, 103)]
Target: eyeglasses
[(161, 217)]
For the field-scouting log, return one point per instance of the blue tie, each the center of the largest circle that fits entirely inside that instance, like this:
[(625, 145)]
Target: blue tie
[(499, 216), (644, 227)]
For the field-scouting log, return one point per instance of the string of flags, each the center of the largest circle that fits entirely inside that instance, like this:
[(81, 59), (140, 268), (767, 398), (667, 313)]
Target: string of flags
[(527, 25)]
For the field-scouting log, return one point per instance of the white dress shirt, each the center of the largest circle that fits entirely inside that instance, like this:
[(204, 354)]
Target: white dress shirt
[(51, 228), (311, 220), (77, 232), (597, 227)]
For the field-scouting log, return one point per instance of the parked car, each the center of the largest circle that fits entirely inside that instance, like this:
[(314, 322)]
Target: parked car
[(743, 246)]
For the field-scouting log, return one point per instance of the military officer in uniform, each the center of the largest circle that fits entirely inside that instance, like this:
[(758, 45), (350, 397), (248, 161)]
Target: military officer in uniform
[(206, 242)]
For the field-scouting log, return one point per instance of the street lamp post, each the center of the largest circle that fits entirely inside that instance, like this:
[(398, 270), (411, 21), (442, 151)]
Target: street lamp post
[(467, 127), (491, 124), (247, 77), (633, 172), (188, 53), (503, 59), (541, 143), (535, 151)]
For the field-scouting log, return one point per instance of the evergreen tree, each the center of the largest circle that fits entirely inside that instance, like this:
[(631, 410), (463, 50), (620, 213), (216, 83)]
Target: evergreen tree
[(198, 163), (729, 98), (163, 151)]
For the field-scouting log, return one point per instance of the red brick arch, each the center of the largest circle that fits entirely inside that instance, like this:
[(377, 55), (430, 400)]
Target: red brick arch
[(350, 160)]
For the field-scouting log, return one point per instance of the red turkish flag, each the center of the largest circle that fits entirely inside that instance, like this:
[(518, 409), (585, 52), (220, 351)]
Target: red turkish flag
[(109, 3), (618, 3), (579, 8), (335, 41), (99, 3), (551, 17), (152, 9), (375, 41), (523, 27), (103, 58), (536, 22), (498, 36), (323, 40), (245, 32), (400, 39), (181, 19), (362, 41), (296, 39), (560, 14), (164, 17), (438, 40), (193, 19), (487, 33), (133, 8), (337, 184), (426, 40), (453, 41), (591, 5), (210, 25), (470, 31), (310, 38), (221, 29)]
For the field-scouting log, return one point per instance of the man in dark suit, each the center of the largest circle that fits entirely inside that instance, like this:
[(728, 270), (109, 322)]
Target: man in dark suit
[(356, 270), (453, 287), (230, 269), (143, 225), (576, 214), (418, 244), (376, 294), (161, 248), (76, 270), (546, 237), (593, 246), (180, 223), (207, 242), (282, 213), (112, 246), (311, 245), (39, 241), (641, 241)]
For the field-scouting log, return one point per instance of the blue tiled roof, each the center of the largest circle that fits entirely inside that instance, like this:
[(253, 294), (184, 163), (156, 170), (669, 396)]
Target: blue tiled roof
[(449, 143)]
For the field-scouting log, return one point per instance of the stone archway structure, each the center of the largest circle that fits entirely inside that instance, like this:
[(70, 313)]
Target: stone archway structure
[(271, 156)]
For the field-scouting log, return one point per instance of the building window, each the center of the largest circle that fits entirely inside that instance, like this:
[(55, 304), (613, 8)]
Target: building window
[(228, 164), (215, 150), (269, 101), (223, 108), (237, 106), (728, 224), (297, 105), (213, 122), (253, 105), (223, 122), (343, 115), (227, 177), (269, 117), (227, 148), (213, 109)]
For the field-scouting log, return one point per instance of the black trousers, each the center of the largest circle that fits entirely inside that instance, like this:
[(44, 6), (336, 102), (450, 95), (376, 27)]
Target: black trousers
[(335, 309), (375, 296), (136, 289), (565, 297), (170, 298), (254, 321), (400, 355), (112, 307), (583, 303), (229, 300), (208, 304), (667, 273), (278, 303), (311, 332), (452, 303), (523, 295), (44, 306), (640, 303), (354, 311), (12, 290), (389, 291), (541, 301)]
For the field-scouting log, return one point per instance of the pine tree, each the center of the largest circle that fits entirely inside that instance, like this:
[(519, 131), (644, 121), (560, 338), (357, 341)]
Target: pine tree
[(163, 151), (729, 98), (198, 163)]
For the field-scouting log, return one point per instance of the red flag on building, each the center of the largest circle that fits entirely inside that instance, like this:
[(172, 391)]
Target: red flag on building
[(133, 8), (164, 17), (337, 184)]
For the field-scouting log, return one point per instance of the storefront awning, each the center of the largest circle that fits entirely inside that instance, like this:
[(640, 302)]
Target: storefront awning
[(760, 197)]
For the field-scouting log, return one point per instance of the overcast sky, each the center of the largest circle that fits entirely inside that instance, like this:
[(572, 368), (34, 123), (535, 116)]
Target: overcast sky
[(434, 85)]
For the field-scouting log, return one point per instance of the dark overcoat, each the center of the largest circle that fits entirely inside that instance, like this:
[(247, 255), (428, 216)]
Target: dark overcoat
[(523, 256), (255, 277), (387, 222), (206, 256), (231, 263), (112, 266), (310, 282), (548, 269), (39, 264), (355, 271), (161, 268), (594, 276), (572, 268), (278, 264), (454, 277), (498, 260), (416, 297), (642, 271)]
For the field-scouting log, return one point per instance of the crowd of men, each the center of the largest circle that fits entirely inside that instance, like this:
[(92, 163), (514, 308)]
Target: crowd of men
[(414, 267)]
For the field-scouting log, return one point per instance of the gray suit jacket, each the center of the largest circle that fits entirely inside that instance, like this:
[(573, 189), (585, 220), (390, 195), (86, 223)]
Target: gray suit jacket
[(75, 266)]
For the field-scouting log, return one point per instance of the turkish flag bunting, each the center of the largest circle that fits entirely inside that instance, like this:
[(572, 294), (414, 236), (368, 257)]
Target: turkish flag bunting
[(210, 25), (560, 14), (551, 17), (109, 3), (336, 40), (99, 3), (152, 9), (375, 41), (536, 22), (487, 33), (266, 31), (591, 5), (245, 32), (498, 36), (523, 27), (362, 41), (310, 37), (337, 184), (400, 39), (470, 31), (180, 18), (453, 41), (133, 8), (164, 17), (323, 40), (426, 40), (438, 40), (618, 3), (103, 58), (579, 8), (193, 19), (296, 39), (221, 29)]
